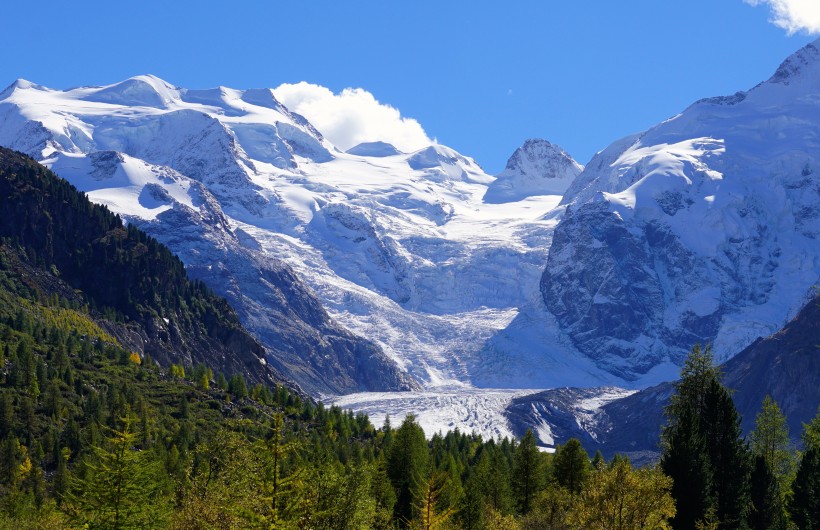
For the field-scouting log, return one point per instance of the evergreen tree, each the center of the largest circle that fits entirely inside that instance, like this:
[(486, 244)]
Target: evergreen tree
[(407, 467), (598, 460), (6, 415), (493, 473), (571, 466), (685, 460), (471, 511), (804, 506), (118, 487), (728, 456), (528, 473), (765, 509), (811, 432), (432, 515), (702, 449), (770, 441)]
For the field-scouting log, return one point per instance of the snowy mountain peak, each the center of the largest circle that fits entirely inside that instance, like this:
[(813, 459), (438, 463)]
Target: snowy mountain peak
[(374, 149), (20, 84), (538, 167), (804, 65), (140, 91), (704, 228)]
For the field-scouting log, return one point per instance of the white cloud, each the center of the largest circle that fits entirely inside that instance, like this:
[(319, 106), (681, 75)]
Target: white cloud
[(352, 116), (793, 15)]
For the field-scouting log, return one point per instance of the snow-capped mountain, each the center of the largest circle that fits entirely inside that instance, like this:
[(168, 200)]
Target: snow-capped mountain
[(536, 168), (159, 156), (702, 229), (400, 248), (378, 269)]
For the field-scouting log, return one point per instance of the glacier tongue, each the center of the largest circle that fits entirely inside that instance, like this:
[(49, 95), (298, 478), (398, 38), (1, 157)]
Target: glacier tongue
[(450, 281), (400, 248)]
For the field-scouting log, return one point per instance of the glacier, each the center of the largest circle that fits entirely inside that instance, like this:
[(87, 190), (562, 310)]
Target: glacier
[(371, 272)]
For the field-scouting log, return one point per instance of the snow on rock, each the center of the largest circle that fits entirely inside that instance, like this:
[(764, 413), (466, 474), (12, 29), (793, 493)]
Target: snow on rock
[(702, 229), (399, 248), (374, 149), (536, 168)]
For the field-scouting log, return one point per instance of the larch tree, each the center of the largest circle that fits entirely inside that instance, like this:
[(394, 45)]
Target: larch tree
[(528, 473)]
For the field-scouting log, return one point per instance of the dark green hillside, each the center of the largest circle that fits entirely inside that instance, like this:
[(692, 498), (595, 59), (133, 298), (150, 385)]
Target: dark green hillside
[(129, 278)]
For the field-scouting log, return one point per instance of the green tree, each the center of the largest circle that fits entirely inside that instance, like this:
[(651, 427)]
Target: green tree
[(407, 467), (728, 456), (118, 487), (811, 432), (765, 509), (703, 451), (570, 466), (804, 505), (528, 472), (471, 510), (770, 438), (432, 514), (493, 474)]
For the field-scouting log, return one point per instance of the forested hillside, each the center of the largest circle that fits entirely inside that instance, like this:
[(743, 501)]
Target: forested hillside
[(95, 433), (57, 241)]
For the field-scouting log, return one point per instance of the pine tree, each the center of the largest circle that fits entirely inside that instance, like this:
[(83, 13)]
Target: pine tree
[(804, 505), (471, 510), (432, 515), (571, 466), (770, 441), (528, 473), (119, 487), (811, 432), (685, 460), (278, 486), (702, 449), (493, 473), (728, 456), (6, 415), (407, 467), (765, 509)]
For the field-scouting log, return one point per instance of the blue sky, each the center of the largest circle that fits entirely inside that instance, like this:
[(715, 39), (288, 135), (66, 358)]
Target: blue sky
[(478, 76)]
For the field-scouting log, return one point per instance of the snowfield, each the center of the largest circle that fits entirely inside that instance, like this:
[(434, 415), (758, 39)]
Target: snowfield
[(704, 228)]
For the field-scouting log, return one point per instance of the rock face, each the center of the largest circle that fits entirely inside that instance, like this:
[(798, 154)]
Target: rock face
[(785, 366), (182, 166), (307, 241), (702, 229), (536, 168), (57, 244)]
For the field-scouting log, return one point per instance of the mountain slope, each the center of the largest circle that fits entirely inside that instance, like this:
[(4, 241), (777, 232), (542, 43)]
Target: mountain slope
[(58, 243), (536, 168), (704, 228), (785, 365), (177, 163), (401, 248)]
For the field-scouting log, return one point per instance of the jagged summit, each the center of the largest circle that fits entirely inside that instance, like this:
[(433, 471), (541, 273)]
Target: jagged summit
[(393, 244), (804, 64), (704, 228), (536, 168)]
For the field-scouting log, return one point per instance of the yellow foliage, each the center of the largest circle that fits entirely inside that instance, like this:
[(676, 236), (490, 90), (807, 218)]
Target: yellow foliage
[(135, 358), (25, 469), (622, 498)]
